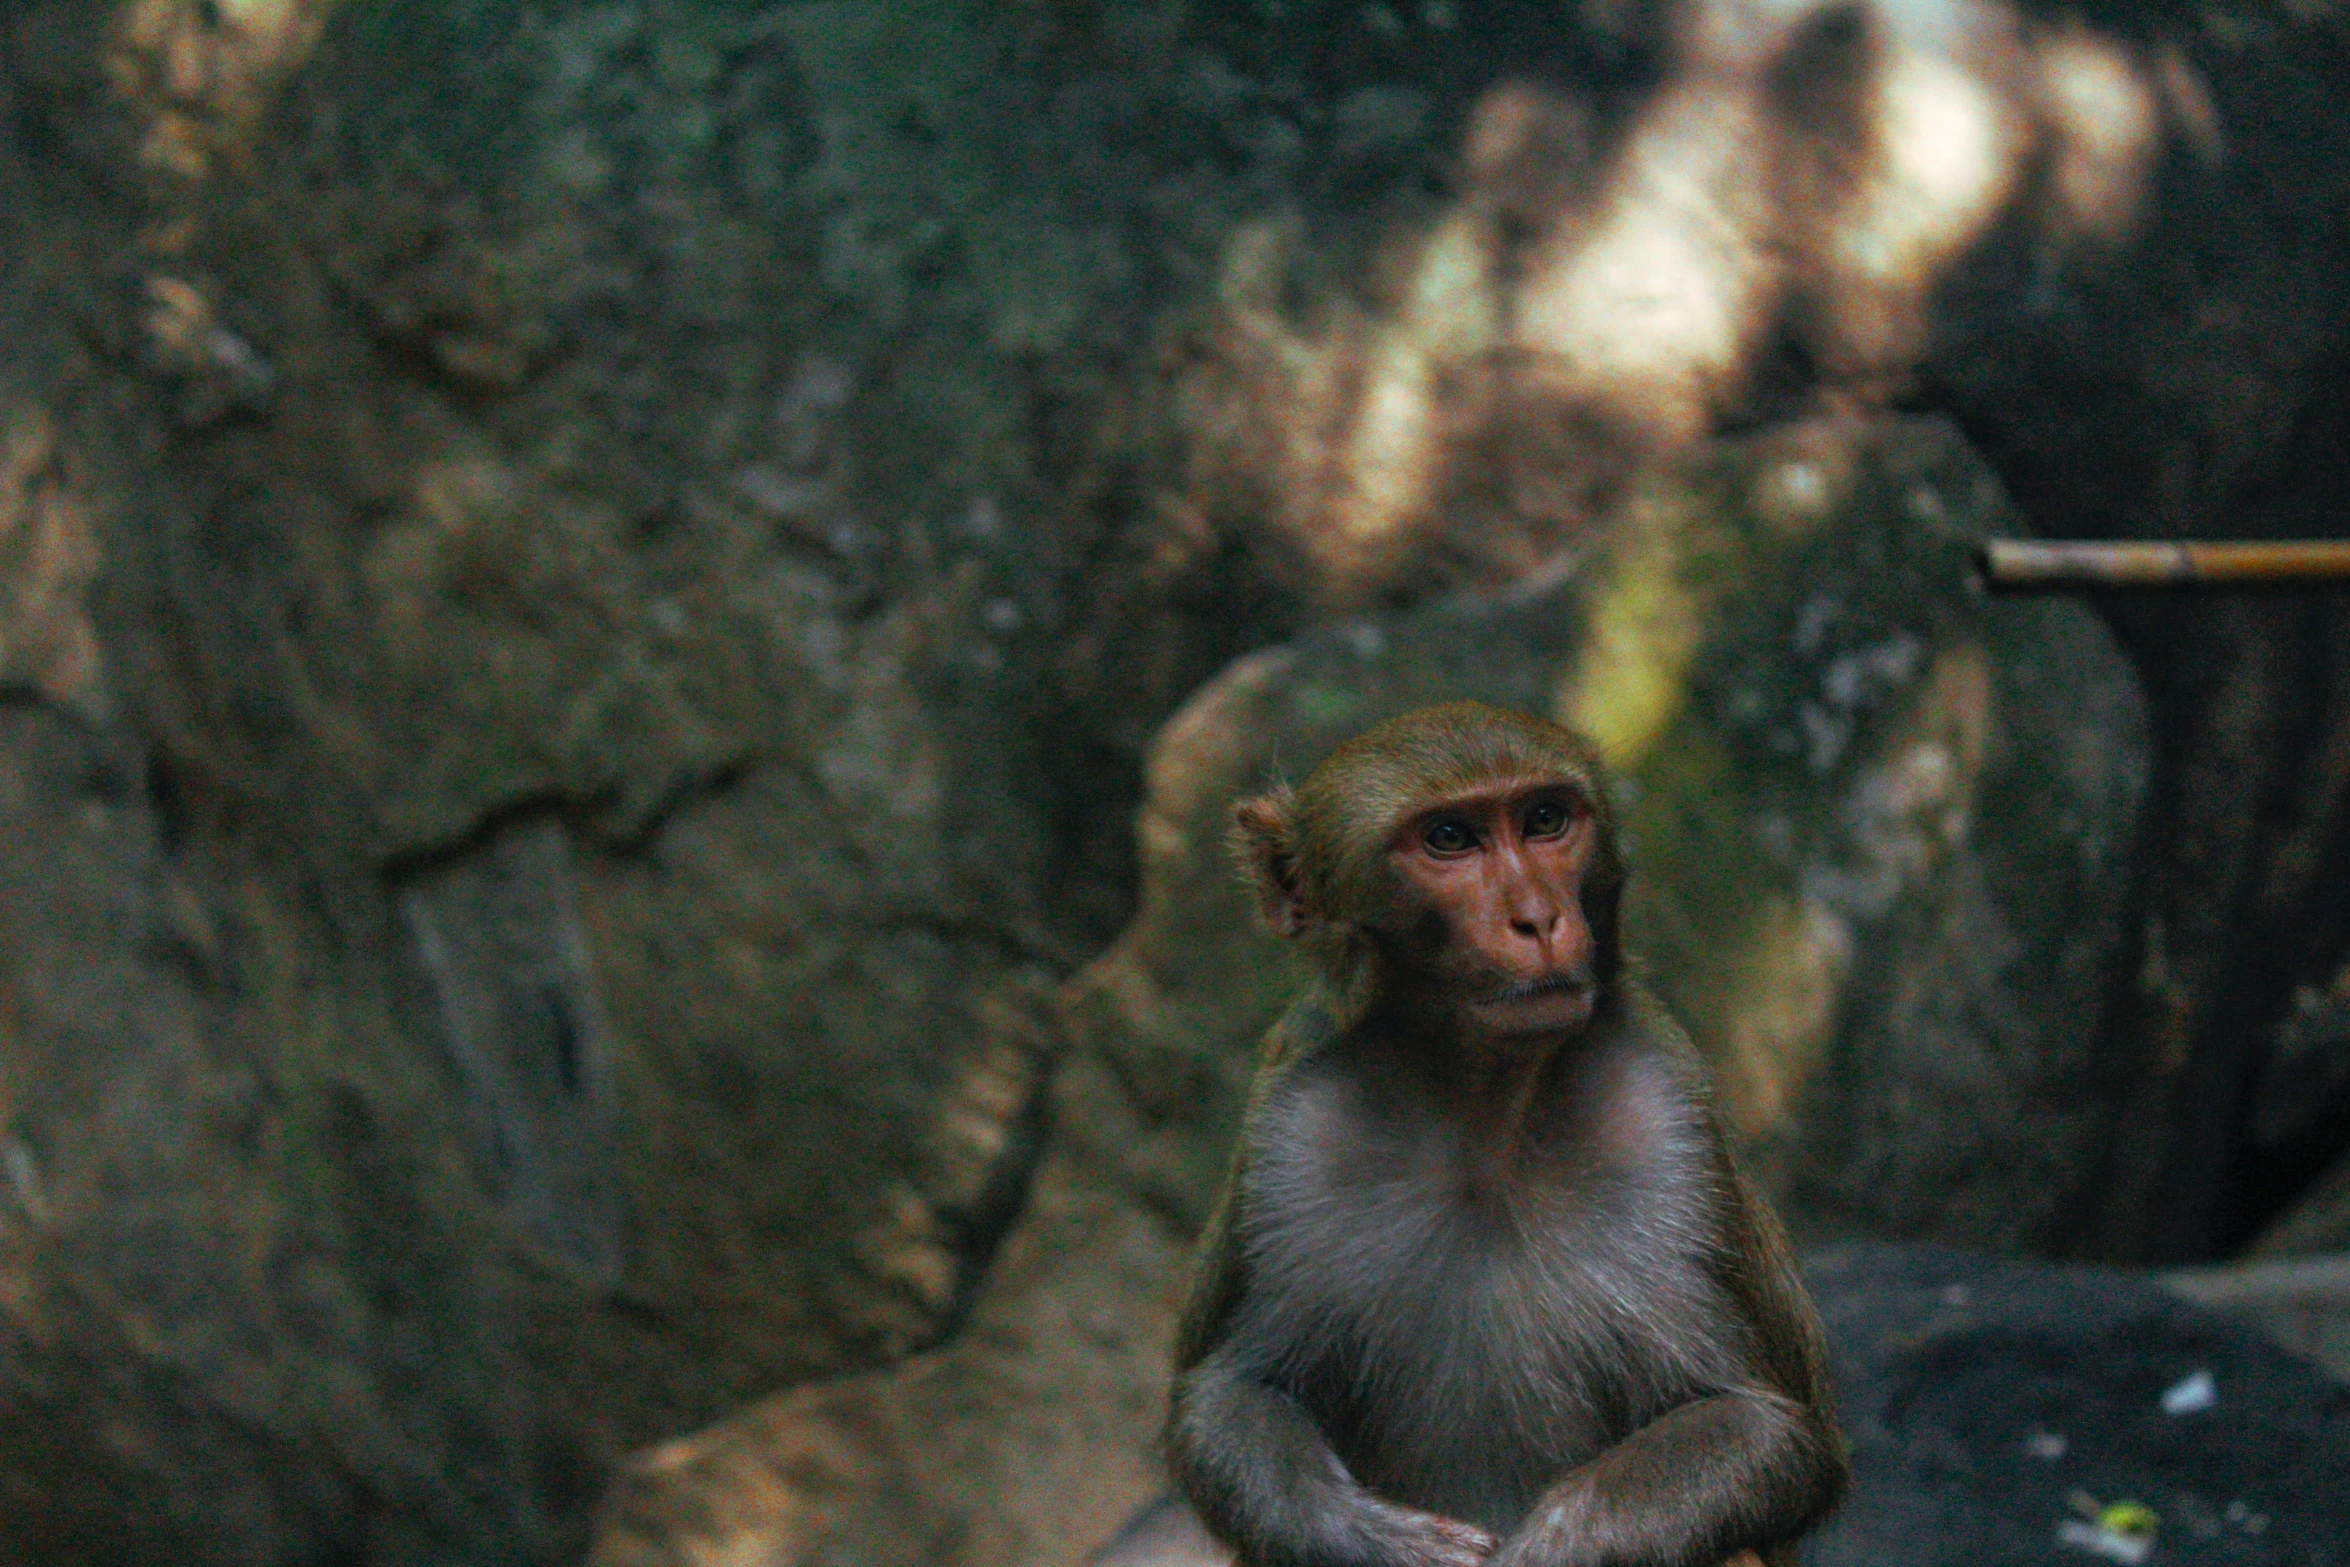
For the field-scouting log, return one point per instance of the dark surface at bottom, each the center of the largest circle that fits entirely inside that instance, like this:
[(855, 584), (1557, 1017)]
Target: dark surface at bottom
[(1988, 1402)]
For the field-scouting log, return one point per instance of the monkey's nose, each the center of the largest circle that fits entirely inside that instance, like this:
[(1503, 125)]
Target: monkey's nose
[(1538, 925)]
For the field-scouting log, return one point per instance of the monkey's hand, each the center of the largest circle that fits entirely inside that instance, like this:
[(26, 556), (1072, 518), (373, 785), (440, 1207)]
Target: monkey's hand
[(1266, 1481), (1431, 1539)]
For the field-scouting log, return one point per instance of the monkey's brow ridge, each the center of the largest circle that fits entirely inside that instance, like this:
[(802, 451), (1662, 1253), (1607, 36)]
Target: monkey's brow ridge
[(1505, 791)]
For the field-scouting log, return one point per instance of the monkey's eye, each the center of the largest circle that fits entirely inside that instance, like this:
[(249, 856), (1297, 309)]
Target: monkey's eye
[(1449, 835), (1547, 819)]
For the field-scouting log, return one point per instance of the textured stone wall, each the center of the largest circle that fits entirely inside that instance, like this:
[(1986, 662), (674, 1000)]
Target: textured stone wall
[(590, 593)]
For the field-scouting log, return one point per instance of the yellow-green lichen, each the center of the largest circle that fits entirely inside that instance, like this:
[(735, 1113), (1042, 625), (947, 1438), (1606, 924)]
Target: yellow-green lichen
[(1644, 630)]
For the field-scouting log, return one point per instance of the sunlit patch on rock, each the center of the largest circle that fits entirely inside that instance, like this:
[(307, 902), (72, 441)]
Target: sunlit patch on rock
[(203, 72), (49, 557)]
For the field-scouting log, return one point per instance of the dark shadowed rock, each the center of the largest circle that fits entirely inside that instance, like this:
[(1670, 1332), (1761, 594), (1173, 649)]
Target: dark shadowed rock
[(525, 894), (1990, 1402), (541, 826), (1022, 1444)]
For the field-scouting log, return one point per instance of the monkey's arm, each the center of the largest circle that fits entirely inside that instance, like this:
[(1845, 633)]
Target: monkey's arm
[(1260, 1473), (1752, 1466), (1719, 1475)]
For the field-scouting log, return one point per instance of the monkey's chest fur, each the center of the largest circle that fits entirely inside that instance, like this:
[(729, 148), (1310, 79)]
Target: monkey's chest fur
[(1465, 1341)]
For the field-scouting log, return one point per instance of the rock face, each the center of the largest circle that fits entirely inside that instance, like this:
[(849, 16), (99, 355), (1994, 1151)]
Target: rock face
[(1878, 827), (585, 588), (1028, 1439), (2103, 241), (533, 835), (2296, 1096)]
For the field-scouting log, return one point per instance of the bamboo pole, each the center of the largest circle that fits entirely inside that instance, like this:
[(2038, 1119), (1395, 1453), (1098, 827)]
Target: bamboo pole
[(2070, 565)]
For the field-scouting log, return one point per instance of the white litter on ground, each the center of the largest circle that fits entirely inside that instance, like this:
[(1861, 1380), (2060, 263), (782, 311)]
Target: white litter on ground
[(2190, 1394), (2128, 1549)]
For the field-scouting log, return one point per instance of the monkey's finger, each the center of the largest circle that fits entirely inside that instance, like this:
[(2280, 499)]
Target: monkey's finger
[(1462, 1543)]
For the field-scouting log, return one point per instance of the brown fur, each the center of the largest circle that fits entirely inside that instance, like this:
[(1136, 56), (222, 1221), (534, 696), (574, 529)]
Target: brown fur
[(1321, 847), (1476, 1295)]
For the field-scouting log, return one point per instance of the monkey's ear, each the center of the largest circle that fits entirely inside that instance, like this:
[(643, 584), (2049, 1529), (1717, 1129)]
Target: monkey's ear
[(1268, 858)]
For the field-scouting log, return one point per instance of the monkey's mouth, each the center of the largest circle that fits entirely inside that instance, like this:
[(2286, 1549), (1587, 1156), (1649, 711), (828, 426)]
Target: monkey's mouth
[(1535, 989)]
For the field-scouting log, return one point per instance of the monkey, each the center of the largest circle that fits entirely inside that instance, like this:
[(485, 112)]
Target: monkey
[(1485, 1283)]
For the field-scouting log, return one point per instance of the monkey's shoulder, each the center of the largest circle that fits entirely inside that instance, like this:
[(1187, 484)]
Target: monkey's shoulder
[(1639, 1011), (1309, 1026), (1299, 1047)]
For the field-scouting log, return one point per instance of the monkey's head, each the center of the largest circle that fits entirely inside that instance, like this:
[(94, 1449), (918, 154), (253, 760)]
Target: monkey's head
[(1457, 859)]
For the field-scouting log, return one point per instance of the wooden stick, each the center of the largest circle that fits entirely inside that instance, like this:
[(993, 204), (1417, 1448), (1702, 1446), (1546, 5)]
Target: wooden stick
[(2070, 565)]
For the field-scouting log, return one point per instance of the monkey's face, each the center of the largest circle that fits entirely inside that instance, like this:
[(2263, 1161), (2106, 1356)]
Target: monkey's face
[(1492, 923)]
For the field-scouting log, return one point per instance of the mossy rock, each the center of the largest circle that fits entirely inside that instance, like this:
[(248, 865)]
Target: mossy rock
[(1878, 825)]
